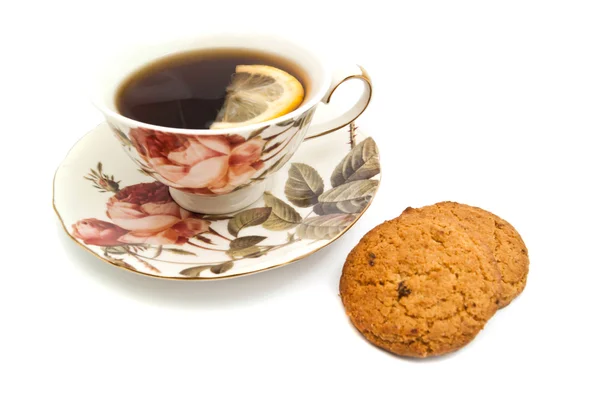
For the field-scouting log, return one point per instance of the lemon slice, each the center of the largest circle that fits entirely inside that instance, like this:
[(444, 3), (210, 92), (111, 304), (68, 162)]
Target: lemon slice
[(258, 93)]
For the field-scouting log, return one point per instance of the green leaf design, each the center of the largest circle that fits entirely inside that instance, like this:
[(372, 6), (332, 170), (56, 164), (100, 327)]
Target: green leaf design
[(352, 206), (257, 132), (222, 268), (119, 262), (271, 147), (247, 218), (351, 197), (246, 242), (115, 250), (178, 251), (285, 123), (202, 238), (138, 247), (121, 136), (304, 185), (196, 271), (360, 164), (300, 122), (324, 227), (158, 251), (250, 252), (283, 216)]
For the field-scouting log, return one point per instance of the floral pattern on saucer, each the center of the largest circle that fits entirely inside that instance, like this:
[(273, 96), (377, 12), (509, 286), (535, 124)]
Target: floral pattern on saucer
[(146, 231)]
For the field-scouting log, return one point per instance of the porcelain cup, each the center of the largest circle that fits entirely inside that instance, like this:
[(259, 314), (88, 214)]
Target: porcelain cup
[(224, 170)]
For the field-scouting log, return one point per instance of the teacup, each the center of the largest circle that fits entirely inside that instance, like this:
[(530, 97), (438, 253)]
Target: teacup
[(233, 170)]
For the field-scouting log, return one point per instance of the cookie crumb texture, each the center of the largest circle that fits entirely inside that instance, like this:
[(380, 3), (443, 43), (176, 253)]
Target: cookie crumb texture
[(505, 242), (419, 287)]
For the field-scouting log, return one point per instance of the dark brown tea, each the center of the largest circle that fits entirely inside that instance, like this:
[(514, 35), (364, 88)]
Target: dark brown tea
[(188, 90)]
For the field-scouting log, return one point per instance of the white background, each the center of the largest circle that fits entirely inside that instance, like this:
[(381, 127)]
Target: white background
[(494, 104)]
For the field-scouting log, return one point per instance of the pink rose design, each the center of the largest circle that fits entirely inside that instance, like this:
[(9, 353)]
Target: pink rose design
[(149, 215), (98, 232), (209, 164)]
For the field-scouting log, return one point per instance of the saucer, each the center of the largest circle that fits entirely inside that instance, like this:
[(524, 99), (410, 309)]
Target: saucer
[(111, 208)]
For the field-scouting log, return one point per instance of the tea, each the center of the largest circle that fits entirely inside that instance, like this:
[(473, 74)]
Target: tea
[(189, 90)]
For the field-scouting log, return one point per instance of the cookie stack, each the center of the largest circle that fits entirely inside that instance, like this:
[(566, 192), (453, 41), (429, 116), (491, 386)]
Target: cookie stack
[(425, 283)]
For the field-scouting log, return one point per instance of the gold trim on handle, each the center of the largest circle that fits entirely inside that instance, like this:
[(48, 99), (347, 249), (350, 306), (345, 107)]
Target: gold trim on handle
[(363, 76)]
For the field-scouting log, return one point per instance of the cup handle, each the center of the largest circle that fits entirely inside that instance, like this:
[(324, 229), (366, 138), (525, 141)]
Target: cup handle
[(339, 77)]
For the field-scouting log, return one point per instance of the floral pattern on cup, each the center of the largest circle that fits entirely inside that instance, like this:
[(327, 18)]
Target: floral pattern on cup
[(213, 164)]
